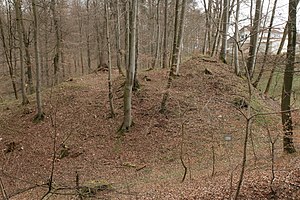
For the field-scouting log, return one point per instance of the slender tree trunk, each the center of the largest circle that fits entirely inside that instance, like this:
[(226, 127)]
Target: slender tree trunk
[(237, 39), (56, 58), (156, 58), (136, 83), (40, 115), (288, 144), (110, 92), (253, 39), (80, 43), (174, 59), (20, 35), (88, 36), (127, 33), (127, 121), (267, 45), (217, 34), (165, 42), (223, 53), (118, 42), (180, 34)]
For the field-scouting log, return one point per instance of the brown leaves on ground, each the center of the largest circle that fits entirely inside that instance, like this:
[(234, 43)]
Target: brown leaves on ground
[(145, 163)]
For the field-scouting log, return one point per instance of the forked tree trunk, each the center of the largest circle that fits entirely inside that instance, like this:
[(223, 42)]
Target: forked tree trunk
[(287, 123), (127, 121), (20, 35), (40, 115), (110, 91)]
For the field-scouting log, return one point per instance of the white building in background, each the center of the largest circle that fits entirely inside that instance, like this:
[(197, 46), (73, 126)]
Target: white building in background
[(275, 39)]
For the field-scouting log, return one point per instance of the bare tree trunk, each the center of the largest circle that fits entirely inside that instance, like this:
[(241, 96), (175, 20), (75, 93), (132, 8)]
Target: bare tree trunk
[(136, 83), (165, 44), (288, 144), (118, 42), (180, 34), (40, 115), (215, 45), (127, 33), (88, 36), (47, 54), (57, 45), (8, 59), (110, 92), (19, 30), (223, 53), (127, 121), (237, 39), (267, 46), (157, 49), (253, 39), (80, 42), (174, 59)]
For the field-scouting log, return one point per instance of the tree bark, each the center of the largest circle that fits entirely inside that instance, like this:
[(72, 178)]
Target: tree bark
[(118, 42), (174, 60), (286, 116), (157, 49), (110, 91), (88, 36), (127, 121), (237, 39), (165, 42), (223, 53), (180, 34), (40, 115), (253, 39), (20, 35), (56, 58)]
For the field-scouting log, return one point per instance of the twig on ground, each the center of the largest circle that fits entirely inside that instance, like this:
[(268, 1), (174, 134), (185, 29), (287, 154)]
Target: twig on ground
[(3, 192)]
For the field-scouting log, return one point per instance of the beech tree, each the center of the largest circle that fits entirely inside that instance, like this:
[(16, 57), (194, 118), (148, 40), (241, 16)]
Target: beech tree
[(110, 92), (287, 123), (130, 71), (223, 54), (254, 38), (40, 115), (20, 36), (174, 59)]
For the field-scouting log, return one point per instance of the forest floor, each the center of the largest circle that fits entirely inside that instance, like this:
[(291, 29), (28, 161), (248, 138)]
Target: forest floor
[(202, 129)]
